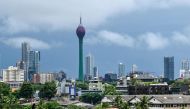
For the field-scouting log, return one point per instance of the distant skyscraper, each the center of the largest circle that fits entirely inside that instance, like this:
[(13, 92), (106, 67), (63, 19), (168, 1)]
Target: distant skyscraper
[(25, 58), (169, 68), (185, 71), (89, 67), (80, 33), (34, 63), (121, 70), (134, 68), (95, 72)]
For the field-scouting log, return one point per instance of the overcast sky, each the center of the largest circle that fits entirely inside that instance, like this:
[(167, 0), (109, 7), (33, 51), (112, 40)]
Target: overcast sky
[(137, 32)]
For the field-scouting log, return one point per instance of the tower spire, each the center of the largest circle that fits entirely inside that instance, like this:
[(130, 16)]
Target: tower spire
[(80, 20)]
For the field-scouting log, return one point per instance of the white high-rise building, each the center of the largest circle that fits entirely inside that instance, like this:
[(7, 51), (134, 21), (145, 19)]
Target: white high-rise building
[(185, 71), (134, 68), (121, 70), (13, 74), (89, 67)]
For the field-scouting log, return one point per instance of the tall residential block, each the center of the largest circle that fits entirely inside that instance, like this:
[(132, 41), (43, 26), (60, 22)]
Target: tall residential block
[(169, 68), (121, 70), (89, 67)]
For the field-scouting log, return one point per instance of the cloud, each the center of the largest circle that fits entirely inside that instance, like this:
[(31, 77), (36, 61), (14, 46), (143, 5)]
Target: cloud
[(108, 37), (16, 42), (149, 40), (35, 15), (154, 41)]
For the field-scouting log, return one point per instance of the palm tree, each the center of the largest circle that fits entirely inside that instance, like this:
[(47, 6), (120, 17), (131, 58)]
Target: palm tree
[(118, 101), (144, 103)]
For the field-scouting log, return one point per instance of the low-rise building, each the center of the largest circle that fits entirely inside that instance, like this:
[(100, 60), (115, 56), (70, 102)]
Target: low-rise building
[(110, 77), (161, 88), (95, 84), (122, 85), (154, 101), (13, 76)]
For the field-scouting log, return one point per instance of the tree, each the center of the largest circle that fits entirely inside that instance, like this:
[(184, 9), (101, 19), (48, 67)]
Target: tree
[(144, 102), (118, 102), (74, 107), (48, 90), (26, 90), (82, 85), (93, 98), (110, 90), (4, 89), (52, 105)]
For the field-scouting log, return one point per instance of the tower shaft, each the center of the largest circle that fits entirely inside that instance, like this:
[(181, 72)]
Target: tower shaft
[(81, 59)]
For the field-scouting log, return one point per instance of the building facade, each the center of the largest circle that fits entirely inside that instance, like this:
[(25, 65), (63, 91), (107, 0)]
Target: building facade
[(13, 74), (34, 63), (154, 101), (169, 68), (43, 78), (185, 71), (121, 70), (25, 58), (89, 67), (95, 72), (110, 77)]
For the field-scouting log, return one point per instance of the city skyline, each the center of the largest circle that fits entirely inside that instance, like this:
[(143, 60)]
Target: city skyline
[(126, 31)]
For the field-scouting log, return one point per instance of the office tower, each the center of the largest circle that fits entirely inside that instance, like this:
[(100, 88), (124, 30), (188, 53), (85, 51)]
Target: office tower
[(34, 63), (80, 33), (89, 67), (134, 68), (25, 58), (95, 72), (185, 71), (169, 68), (121, 70)]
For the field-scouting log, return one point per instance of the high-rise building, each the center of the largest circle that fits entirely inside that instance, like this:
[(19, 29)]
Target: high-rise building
[(121, 70), (95, 72), (89, 67), (169, 68), (34, 63), (80, 33), (25, 58), (134, 68), (185, 71)]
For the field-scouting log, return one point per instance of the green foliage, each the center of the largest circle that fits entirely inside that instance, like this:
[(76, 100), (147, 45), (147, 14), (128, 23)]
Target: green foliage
[(144, 102), (105, 105), (4, 89), (118, 102), (136, 82), (82, 85), (74, 107), (110, 90), (37, 86), (52, 105), (93, 98), (179, 83), (26, 90), (48, 90)]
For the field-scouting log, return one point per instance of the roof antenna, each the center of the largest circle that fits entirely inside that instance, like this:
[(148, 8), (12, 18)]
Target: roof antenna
[(80, 19)]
